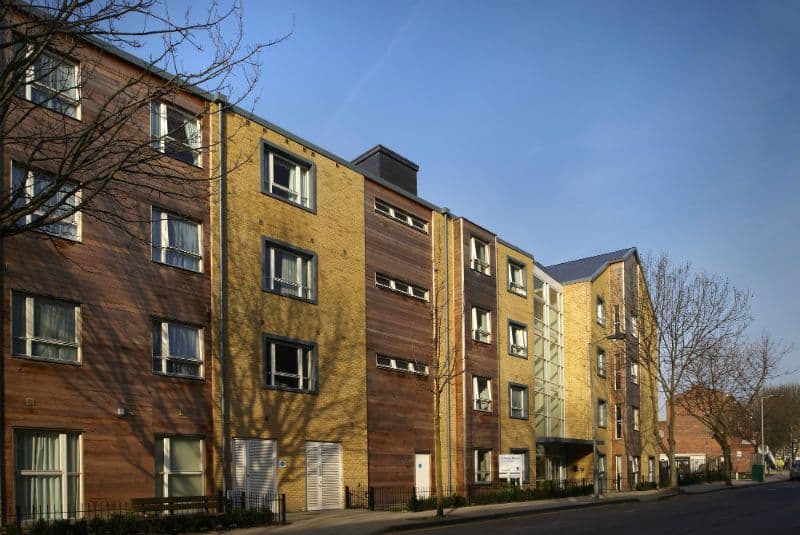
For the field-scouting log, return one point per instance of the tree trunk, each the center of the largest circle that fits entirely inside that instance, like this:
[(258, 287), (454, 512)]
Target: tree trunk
[(726, 454), (673, 470), (437, 437)]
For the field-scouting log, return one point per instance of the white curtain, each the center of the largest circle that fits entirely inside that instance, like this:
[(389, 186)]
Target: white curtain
[(184, 341), (184, 244), (53, 321), (39, 495)]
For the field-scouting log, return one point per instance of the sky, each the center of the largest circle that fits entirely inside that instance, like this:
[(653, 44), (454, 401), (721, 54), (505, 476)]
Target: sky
[(568, 128)]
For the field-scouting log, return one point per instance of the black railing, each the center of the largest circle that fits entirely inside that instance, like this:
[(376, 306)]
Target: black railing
[(149, 515)]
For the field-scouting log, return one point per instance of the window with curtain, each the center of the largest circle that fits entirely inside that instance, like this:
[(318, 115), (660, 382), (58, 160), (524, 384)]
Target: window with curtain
[(179, 466), (289, 271), (481, 325), (516, 278), (602, 413), (59, 207), (517, 339), (175, 132), (177, 349), (518, 399), (288, 178), (176, 241), (44, 328), (479, 257), (290, 365), (482, 394), (47, 482), (483, 466), (53, 82)]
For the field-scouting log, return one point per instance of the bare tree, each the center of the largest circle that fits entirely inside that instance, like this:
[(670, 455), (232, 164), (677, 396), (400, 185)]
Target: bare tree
[(725, 381), (782, 418), (83, 126), (689, 316)]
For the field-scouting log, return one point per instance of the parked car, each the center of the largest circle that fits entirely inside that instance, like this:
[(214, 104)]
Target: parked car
[(794, 471)]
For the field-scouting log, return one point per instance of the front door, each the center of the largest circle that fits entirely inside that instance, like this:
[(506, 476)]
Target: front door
[(324, 475), (422, 474)]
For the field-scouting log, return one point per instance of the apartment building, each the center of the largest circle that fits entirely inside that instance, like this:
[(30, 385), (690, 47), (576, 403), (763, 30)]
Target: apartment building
[(609, 395), (107, 365)]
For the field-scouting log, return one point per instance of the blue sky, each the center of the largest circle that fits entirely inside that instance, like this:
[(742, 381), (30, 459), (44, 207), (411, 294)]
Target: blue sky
[(569, 128)]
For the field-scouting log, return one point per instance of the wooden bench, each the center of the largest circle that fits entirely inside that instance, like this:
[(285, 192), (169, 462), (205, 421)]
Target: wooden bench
[(172, 505)]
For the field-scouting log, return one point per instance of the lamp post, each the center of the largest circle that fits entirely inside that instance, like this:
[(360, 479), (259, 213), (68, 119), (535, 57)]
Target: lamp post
[(763, 442), (595, 471)]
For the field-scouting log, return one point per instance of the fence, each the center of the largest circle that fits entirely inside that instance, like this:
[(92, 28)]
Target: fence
[(149, 515), (420, 499)]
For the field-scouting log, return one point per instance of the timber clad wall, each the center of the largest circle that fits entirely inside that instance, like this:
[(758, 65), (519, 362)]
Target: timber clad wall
[(119, 290), (515, 433), (336, 323), (400, 403)]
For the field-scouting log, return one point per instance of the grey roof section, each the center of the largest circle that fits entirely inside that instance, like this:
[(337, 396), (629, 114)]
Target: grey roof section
[(587, 268), (383, 148)]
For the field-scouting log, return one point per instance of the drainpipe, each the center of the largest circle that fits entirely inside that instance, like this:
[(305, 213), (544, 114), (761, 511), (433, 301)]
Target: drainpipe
[(223, 286), (446, 214)]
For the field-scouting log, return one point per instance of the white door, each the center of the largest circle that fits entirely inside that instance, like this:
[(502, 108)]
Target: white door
[(254, 471), (323, 475), (422, 474)]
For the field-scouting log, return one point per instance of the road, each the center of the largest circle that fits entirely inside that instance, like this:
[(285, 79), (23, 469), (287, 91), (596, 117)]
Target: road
[(758, 510)]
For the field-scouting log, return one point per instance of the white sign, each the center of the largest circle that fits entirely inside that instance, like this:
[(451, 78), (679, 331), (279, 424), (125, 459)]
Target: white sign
[(510, 466)]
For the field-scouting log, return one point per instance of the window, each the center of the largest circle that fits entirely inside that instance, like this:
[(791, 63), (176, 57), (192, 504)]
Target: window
[(290, 365), (289, 271), (618, 420), (482, 394), (481, 325), (517, 339), (602, 413), (52, 82), (483, 466), (288, 177), (634, 326), (526, 463), (176, 241), (635, 418), (618, 364), (601, 471), (45, 328), (516, 278), (479, 259), (601, 362), (177, 349), (518, 400), (601, 311), (651, 469), (62, 200), (179, 467), (394, 363), (383, 207), (618, 471), (633, 462), (47, 473), (175, 132), (396, 285), (616, 319), (634, 372)]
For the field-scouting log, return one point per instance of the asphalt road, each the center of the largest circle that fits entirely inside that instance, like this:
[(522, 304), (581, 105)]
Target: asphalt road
[(759, 510)]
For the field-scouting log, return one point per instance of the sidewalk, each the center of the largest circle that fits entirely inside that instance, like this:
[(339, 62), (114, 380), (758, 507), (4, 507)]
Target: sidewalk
[(361, 522)]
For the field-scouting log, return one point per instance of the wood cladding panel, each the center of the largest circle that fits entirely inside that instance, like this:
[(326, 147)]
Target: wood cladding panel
[(400, 404), (120, 289)]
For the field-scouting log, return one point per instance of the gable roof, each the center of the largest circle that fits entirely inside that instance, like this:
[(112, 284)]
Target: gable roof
[(587, 268)]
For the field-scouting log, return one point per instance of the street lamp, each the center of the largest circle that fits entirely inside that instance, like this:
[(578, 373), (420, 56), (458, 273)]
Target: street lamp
[(595, 471), (763, 445)]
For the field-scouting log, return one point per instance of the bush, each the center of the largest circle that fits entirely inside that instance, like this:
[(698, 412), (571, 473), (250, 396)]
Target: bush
[(646, 485)]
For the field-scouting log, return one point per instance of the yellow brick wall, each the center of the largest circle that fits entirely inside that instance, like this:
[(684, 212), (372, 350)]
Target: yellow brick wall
[(515, 433), (577, 307), (337, 413)]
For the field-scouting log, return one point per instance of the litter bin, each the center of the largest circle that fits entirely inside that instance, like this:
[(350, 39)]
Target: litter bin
[(757, 472)]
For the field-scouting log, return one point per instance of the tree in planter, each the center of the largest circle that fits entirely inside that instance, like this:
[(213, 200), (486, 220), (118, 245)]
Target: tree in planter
[(689, 316), (723, 384)]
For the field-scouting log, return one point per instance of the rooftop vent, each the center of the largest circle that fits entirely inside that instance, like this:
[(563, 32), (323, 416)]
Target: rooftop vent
[(389, 166)]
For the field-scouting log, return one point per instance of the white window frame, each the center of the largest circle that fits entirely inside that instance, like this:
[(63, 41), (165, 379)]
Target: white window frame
[(651, 469), (619, 419), (164, 442), (29, 327), (513, 347), (26, 91), (481, 265), (483, 405), (62, 472), (479, 334), (523, 409), (159, 251), (634, 326), (600, 310), (636, 418), (306, 263), (478, 453), (303, 170), (399, 286), (602, 413), (602, 362), (515, 287), (401, 365), (166, 357), (70, 222), (160, 131), (305, 351), (634, 367), (384, 208)]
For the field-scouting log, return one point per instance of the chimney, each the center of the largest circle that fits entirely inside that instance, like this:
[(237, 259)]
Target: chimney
[(390, 166)]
